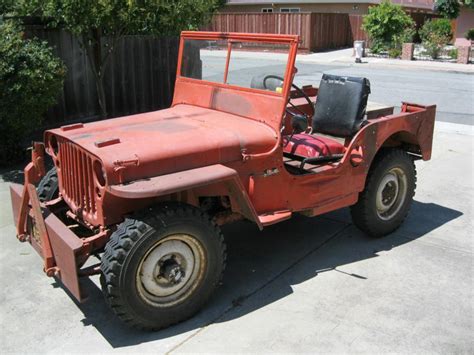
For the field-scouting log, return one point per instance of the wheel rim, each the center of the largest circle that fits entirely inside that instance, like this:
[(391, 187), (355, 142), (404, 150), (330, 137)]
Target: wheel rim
[(170, 270), (391, 193)]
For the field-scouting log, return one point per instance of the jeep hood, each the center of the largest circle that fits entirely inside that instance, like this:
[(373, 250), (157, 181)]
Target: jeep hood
[(179, 138)]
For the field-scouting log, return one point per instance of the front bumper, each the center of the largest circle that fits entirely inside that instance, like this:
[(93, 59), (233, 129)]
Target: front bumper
[(63, 252), (65, 245)]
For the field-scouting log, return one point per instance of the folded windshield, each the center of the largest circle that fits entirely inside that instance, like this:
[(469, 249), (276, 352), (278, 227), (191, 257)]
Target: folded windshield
[(236, 63)]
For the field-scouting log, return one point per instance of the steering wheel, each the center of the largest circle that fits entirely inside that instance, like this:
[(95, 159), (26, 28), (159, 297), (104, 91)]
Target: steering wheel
[(300, 91)]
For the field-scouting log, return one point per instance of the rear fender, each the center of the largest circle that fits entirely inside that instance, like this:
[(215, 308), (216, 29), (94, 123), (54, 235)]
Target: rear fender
[(411, 129), (213, 180), (414, 125)]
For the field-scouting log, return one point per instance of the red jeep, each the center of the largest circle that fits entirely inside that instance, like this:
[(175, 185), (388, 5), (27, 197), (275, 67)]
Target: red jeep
[(146, 194)]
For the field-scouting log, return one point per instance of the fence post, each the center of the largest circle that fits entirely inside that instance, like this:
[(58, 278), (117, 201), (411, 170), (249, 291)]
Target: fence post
[(463, 54), (407, 51)]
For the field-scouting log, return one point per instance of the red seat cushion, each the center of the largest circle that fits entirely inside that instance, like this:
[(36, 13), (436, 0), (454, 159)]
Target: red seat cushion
[(311, 146)]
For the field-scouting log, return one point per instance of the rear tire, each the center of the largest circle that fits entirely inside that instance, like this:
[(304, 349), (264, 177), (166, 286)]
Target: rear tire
[(160, 267), (388, 194), (48, 188)]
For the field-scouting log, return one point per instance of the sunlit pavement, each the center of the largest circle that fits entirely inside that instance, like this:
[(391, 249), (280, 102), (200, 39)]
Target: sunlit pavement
[(305, 285)]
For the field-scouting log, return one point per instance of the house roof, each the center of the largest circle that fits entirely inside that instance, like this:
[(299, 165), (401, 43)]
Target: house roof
[(420, 4)]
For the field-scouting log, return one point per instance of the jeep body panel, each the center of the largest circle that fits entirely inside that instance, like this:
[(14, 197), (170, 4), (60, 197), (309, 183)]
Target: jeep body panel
[(337, 185), (161, 142), (222, 180)]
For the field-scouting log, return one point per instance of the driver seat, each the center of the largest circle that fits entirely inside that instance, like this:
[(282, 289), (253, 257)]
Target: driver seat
[(338, 114)]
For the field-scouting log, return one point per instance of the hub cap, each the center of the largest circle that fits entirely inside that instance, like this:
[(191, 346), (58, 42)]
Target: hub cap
[(170, 270), (391, 193)]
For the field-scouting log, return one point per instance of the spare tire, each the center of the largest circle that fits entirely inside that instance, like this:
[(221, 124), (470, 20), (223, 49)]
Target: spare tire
[(48, 188)]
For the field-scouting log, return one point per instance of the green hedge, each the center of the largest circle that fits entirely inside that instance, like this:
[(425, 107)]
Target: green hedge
[(31, 78)]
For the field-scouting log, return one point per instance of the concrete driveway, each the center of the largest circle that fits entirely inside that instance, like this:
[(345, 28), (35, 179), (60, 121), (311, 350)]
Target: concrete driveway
[(306, 285)]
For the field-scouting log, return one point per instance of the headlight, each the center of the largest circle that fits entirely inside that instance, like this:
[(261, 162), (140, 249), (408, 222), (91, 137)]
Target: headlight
[(99, 173)]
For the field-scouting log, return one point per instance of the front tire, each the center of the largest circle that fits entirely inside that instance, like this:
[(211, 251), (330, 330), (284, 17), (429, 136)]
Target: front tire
[(388, 194), (161, 267)]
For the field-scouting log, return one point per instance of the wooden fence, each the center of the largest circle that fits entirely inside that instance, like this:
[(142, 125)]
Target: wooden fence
[(357, 33), (329, 31), (139, 77), (317, 31), (141, 73), (282, 23)]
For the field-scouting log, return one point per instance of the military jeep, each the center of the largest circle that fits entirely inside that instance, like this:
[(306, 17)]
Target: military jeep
[(146, 194)]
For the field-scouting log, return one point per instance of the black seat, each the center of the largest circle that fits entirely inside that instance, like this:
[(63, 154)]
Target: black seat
[(340, 105)]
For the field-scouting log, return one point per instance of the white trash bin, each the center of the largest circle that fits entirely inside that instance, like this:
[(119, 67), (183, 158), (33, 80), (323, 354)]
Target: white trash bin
[(359, 50)]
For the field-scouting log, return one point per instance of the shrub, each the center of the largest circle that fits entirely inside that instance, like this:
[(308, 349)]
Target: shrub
[(453, 53), (387, 25), (406, 36), (31, 78), (394, 52), (470, 34), (435, 34)]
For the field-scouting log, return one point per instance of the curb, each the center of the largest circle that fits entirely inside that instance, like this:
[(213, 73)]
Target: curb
[(418, 65)]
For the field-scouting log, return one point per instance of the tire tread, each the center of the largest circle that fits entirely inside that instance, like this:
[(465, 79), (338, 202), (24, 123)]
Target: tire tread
[(126, 236), (48, 185), (361, 210)]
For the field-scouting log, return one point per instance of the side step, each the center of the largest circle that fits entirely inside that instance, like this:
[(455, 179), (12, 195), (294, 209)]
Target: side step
[(272, 218)]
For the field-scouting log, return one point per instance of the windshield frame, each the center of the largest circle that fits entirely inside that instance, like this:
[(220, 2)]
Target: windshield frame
[(232, 37)]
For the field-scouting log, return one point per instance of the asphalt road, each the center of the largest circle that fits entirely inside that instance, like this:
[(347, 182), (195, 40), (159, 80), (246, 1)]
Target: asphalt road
[(452, 92)]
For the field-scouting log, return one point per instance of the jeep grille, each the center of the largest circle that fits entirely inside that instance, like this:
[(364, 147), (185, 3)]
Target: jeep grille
[(77, 181)]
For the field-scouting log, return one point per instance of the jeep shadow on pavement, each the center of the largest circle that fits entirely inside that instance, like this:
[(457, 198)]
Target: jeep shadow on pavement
[(263, 267)]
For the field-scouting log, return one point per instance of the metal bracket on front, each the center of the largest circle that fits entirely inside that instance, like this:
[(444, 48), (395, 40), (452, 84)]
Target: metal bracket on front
[(30, 202)]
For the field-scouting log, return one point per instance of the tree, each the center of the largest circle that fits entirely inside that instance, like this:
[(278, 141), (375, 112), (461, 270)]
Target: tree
[(31, 78), (448, 8), (5, 7), (468, 3), (386, 24), (100, 24)]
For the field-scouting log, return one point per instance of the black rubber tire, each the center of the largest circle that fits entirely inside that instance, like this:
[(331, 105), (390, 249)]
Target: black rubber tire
[(364, 212), (48, 188), (138, 235)]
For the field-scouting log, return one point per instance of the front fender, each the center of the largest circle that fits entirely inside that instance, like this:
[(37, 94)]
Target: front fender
[(189, 180)]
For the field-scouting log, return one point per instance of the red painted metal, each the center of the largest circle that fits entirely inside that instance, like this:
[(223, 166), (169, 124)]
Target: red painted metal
[(216, 141), (59, 247), (227, 61)]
